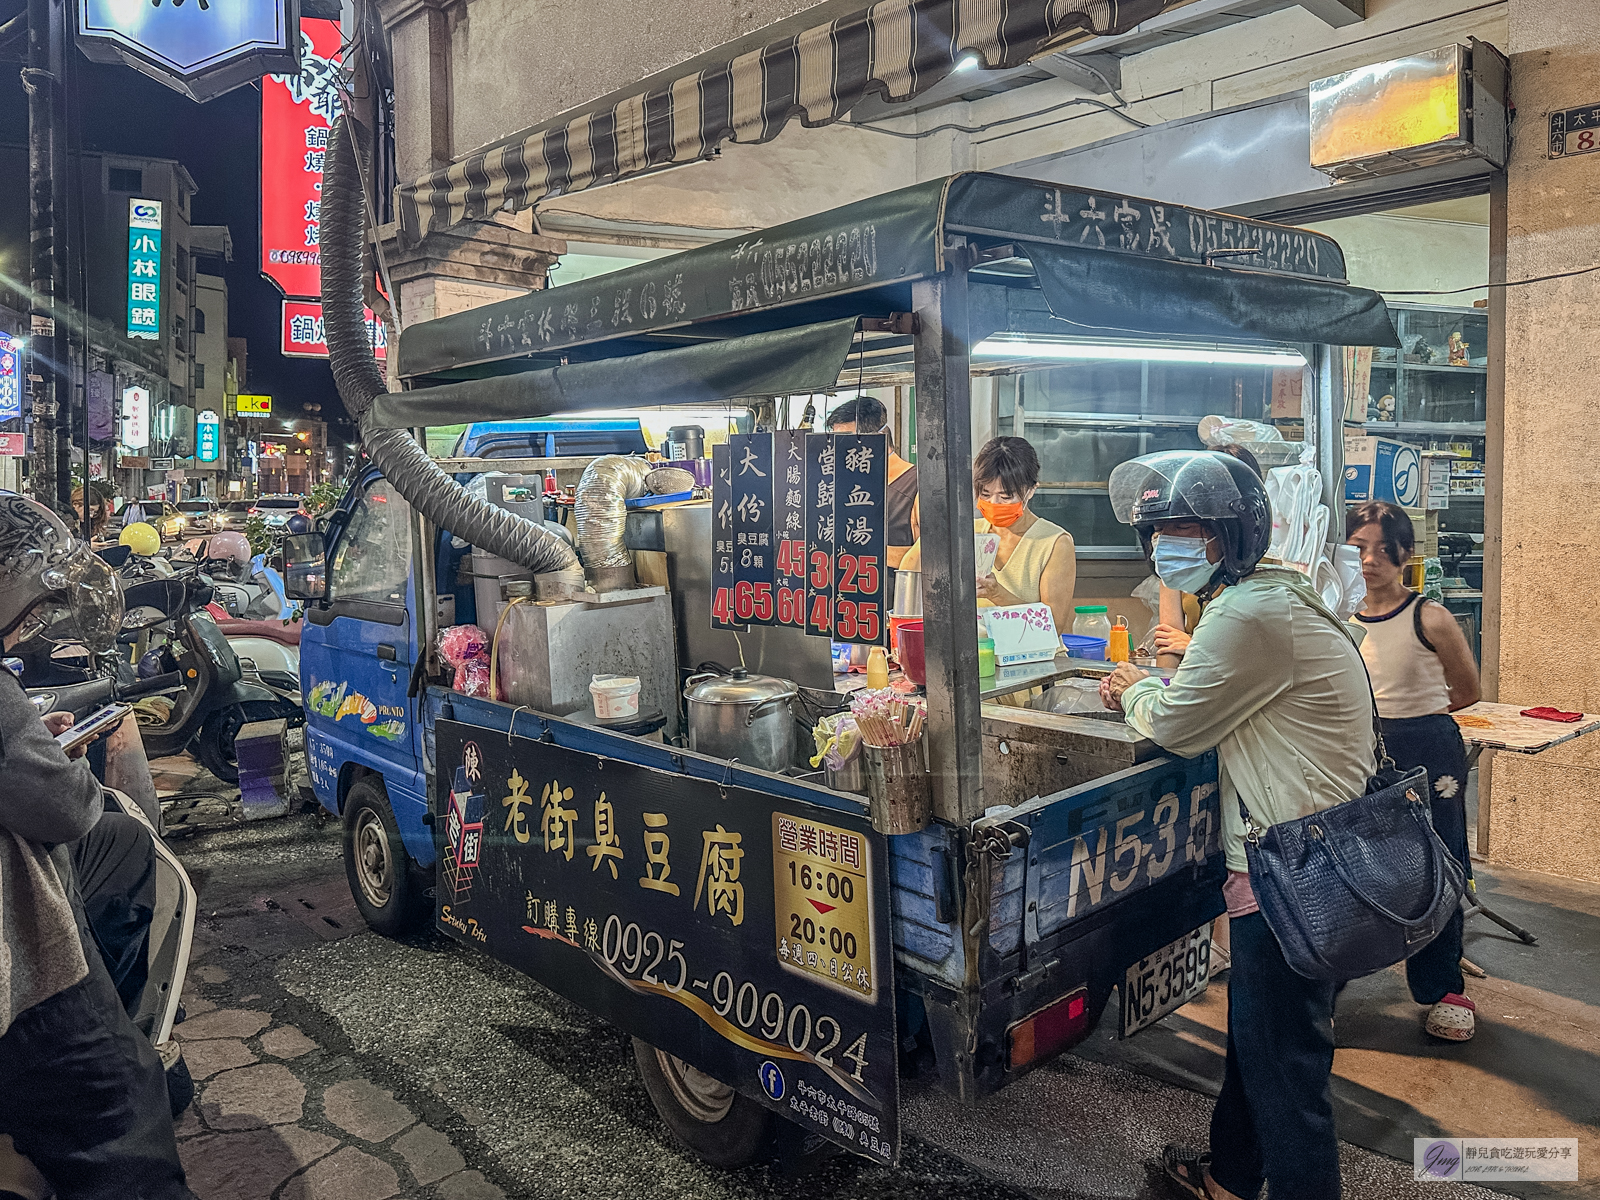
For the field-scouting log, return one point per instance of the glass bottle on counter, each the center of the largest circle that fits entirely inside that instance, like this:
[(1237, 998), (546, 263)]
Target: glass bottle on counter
[(1090, 620)]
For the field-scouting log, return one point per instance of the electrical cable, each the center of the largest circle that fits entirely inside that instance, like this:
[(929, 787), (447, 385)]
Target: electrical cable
[(1476, 287), (1027, 116)]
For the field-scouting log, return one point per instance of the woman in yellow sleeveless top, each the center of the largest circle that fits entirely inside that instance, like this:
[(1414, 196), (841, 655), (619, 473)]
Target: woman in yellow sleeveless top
[(1037, 561)]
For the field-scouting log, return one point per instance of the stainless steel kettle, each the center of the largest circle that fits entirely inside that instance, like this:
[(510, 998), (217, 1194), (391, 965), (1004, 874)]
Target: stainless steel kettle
[(743, 716)]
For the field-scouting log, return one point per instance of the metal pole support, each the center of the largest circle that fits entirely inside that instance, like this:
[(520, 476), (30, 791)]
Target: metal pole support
[(949, 581)]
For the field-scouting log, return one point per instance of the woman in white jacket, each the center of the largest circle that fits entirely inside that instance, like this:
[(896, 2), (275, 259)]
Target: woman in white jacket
[(1273, 682)]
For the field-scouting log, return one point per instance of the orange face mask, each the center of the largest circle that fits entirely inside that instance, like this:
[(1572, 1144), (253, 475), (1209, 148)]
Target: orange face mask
[(1001, 516)]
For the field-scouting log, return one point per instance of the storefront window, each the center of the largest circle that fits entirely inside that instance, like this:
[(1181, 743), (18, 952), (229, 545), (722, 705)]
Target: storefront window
[(1431, 262), (1087, 417)]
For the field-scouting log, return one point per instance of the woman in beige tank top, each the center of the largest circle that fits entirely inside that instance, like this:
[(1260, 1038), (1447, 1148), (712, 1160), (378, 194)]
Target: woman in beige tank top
[(1037, 561)]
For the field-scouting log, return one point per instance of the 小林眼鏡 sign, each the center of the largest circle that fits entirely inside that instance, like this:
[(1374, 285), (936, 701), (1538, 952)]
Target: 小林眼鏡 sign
[(742, 932), (207, 435), (144, 269), (201, 48)]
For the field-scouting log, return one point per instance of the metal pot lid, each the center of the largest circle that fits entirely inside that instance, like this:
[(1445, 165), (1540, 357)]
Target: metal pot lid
[(740, 687)]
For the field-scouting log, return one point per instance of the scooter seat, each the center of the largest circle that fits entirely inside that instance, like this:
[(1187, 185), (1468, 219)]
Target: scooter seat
[(273, 631)]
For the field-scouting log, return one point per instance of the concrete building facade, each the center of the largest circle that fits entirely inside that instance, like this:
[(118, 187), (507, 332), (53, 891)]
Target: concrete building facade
[(1205, 105)]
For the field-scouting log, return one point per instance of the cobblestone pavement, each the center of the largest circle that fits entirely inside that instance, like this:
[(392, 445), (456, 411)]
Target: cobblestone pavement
[(332, 1064)]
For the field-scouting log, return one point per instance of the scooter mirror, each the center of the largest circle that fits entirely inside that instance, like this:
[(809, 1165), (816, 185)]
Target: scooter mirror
[(305, 573)]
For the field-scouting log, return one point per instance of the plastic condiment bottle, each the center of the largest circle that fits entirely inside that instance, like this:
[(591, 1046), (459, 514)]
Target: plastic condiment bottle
[(1119, 648), (877, 668), (985, 657), (1090, 620)]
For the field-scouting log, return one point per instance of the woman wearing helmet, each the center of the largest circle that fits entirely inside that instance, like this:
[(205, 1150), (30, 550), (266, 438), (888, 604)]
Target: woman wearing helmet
[(1272, 680), (82, 1091)]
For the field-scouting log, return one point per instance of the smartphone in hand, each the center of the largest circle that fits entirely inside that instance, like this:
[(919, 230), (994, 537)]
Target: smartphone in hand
[(99, 722)]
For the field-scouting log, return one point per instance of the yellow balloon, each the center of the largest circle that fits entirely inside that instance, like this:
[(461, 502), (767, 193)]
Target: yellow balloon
[(142, 538)]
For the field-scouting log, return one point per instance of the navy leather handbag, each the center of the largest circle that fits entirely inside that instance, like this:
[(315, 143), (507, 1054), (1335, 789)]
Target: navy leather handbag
[(1360, 886)]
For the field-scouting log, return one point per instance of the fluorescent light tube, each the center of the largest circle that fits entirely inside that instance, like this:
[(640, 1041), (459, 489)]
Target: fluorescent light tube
[(1079, 351)]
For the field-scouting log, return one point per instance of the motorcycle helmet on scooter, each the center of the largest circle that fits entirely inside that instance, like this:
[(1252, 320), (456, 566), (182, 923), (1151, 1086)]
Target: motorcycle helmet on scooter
[(297, 524), (1197, 485), (141, 537), (232, 548), (52, 584)]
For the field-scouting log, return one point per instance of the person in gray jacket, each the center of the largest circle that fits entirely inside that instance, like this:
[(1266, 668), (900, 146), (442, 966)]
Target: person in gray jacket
[(82, 1092)]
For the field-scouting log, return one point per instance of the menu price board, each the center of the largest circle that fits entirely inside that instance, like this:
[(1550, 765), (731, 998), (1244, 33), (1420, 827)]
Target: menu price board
[(788, 495), (750, 462), (799, 528), (819, 534), (722, 541), (859, 532)]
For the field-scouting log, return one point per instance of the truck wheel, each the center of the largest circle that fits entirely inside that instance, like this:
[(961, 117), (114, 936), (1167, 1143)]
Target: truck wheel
[(215, 743), (720, 1126), (376, 864)]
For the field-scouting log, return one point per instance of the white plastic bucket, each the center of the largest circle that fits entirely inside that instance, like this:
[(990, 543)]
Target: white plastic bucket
[(614, 696)]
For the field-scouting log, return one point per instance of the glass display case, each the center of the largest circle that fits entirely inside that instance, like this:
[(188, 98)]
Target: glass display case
[(1086, 417), (1433, 394)]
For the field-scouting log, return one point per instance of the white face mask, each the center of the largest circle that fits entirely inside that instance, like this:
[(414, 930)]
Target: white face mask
[(1181, 562)]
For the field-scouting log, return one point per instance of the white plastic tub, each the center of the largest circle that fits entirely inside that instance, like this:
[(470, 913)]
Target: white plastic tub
[(614, 696)]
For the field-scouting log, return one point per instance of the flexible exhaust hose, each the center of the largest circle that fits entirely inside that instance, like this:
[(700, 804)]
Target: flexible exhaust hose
[(360, 380), (601, 510)]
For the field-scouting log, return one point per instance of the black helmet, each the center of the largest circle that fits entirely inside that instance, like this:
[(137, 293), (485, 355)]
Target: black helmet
[(53, 581), (297, 524), (1198, 485)]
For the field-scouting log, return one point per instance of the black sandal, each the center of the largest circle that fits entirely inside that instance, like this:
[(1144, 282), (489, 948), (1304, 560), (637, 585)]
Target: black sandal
[(1187, 1169)]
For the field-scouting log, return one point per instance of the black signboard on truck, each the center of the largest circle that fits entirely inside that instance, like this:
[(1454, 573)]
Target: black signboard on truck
[(745, 933)]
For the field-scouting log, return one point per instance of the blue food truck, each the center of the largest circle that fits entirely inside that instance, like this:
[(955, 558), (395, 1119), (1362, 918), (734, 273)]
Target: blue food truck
[(771, 951)]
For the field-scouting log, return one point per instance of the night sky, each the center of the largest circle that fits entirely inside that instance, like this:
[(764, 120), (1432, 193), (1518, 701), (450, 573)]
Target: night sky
[(219, 143)]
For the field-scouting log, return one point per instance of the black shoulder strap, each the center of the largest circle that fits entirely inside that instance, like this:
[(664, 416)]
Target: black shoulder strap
[(1416, 623)]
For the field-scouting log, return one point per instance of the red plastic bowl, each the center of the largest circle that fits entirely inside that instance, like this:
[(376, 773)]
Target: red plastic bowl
[(911, 658)]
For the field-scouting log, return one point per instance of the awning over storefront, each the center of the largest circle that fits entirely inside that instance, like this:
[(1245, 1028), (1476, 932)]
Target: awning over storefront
[(1107, 264), (1097, 295), (895, 49), (782, 362)]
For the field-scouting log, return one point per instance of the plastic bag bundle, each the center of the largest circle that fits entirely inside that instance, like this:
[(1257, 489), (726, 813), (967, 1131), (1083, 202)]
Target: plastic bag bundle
[(466, 648), (838, 741), (1234, 431)]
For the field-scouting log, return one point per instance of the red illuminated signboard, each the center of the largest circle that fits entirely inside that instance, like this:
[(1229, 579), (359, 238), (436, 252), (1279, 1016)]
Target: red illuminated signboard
[(296, 112), (303, 335)]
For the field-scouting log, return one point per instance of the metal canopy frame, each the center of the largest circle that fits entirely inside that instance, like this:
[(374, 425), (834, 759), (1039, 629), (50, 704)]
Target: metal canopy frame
[(932, 270)]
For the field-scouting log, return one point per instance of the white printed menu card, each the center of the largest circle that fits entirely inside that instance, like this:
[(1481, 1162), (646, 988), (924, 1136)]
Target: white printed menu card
[(1022, 633)]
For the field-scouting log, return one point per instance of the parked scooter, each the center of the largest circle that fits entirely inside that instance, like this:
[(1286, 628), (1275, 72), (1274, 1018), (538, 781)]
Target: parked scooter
[(172, 648), (250, 605)]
